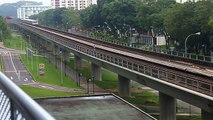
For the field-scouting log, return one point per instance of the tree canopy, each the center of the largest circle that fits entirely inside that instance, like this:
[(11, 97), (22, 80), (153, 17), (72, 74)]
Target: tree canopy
[(4, 30), (165, 17)]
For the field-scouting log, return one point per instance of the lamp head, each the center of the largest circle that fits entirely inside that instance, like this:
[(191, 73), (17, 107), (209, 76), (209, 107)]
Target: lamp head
[(198, 33)]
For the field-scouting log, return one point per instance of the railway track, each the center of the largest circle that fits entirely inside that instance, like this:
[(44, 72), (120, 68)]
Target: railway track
[(193, 75)]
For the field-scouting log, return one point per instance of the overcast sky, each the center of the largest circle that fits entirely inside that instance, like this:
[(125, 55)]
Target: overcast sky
[(45, 2)]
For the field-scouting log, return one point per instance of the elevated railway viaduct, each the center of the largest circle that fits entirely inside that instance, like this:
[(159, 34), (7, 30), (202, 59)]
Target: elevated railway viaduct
[(174, 78)]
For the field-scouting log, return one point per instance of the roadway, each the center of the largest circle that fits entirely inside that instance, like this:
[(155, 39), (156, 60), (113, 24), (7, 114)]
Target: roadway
[(14, 68)]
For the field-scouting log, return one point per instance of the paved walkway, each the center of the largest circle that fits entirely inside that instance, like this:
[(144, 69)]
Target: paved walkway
[(55, 87)]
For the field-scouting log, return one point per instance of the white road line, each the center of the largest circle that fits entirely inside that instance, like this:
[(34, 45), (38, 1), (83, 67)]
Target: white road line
[(13, 64), (9, 71), (21, 71), (46, 87), (25, 79)]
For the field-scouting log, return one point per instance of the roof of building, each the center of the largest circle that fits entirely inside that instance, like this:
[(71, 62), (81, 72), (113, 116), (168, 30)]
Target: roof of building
[(99, 107)]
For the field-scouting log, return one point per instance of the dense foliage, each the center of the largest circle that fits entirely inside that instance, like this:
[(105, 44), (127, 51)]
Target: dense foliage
[(4, 30), (162, 17), (61, 18)]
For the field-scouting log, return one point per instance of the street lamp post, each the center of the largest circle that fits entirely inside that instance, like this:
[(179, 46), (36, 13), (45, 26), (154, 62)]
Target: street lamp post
[(29, 39), (21, 42), (198, 33), (93, 82), (79, 79), (88, 80), (61, 69), (1, 36)]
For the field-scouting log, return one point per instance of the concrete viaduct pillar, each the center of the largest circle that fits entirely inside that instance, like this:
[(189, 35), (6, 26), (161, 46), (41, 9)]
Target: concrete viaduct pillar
[(78, 62), (48, 45), (123, 86), (96, 72), (206, 115), (65, 55), (167, 107), (54, 49)]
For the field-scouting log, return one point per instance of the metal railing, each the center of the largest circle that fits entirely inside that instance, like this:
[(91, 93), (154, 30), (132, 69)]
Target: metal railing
[(17, 105)]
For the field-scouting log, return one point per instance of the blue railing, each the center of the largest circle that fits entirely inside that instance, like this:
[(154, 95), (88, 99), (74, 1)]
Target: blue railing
[(17, 105)]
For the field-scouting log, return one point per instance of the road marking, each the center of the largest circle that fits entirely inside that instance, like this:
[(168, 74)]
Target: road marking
[(15, 71), (26, 79), (46, 87), (13, 64), (9, 71)]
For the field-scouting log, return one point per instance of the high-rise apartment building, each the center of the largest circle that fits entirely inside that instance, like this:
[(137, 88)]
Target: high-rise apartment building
[(25, 11), (76, 4)]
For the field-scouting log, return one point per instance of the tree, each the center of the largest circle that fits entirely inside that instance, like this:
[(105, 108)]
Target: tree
[(178, 28), (89, 17), (149, 14), (118, 14), (61, 18), (194, 18), (70, 18), (5, 32)]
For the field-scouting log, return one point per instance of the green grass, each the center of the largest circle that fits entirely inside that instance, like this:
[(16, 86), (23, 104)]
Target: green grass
[(71, 64), (52, 75), (86, 69), (35, 92), (195, 117), (16, 41), (1, 63), (109, 79), (143, 98)]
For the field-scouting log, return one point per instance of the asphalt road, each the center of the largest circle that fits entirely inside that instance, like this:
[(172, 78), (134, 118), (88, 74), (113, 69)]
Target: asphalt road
[(14, 68)]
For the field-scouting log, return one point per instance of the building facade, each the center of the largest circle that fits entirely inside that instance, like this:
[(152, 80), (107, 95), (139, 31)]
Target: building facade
[(75, 4), (24, 12), (182, 1)]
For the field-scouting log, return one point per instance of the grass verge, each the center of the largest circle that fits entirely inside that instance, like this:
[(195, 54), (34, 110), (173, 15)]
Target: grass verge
[(35, 92), (109, 79), (17, 42), (52, 75), (143, 98)]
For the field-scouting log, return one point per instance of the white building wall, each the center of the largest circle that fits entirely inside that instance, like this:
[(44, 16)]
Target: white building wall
[(76, 4), (161, 40), (25, 11)]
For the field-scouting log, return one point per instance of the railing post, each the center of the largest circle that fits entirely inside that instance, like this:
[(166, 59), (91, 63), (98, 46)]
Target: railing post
[(12, 110)]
